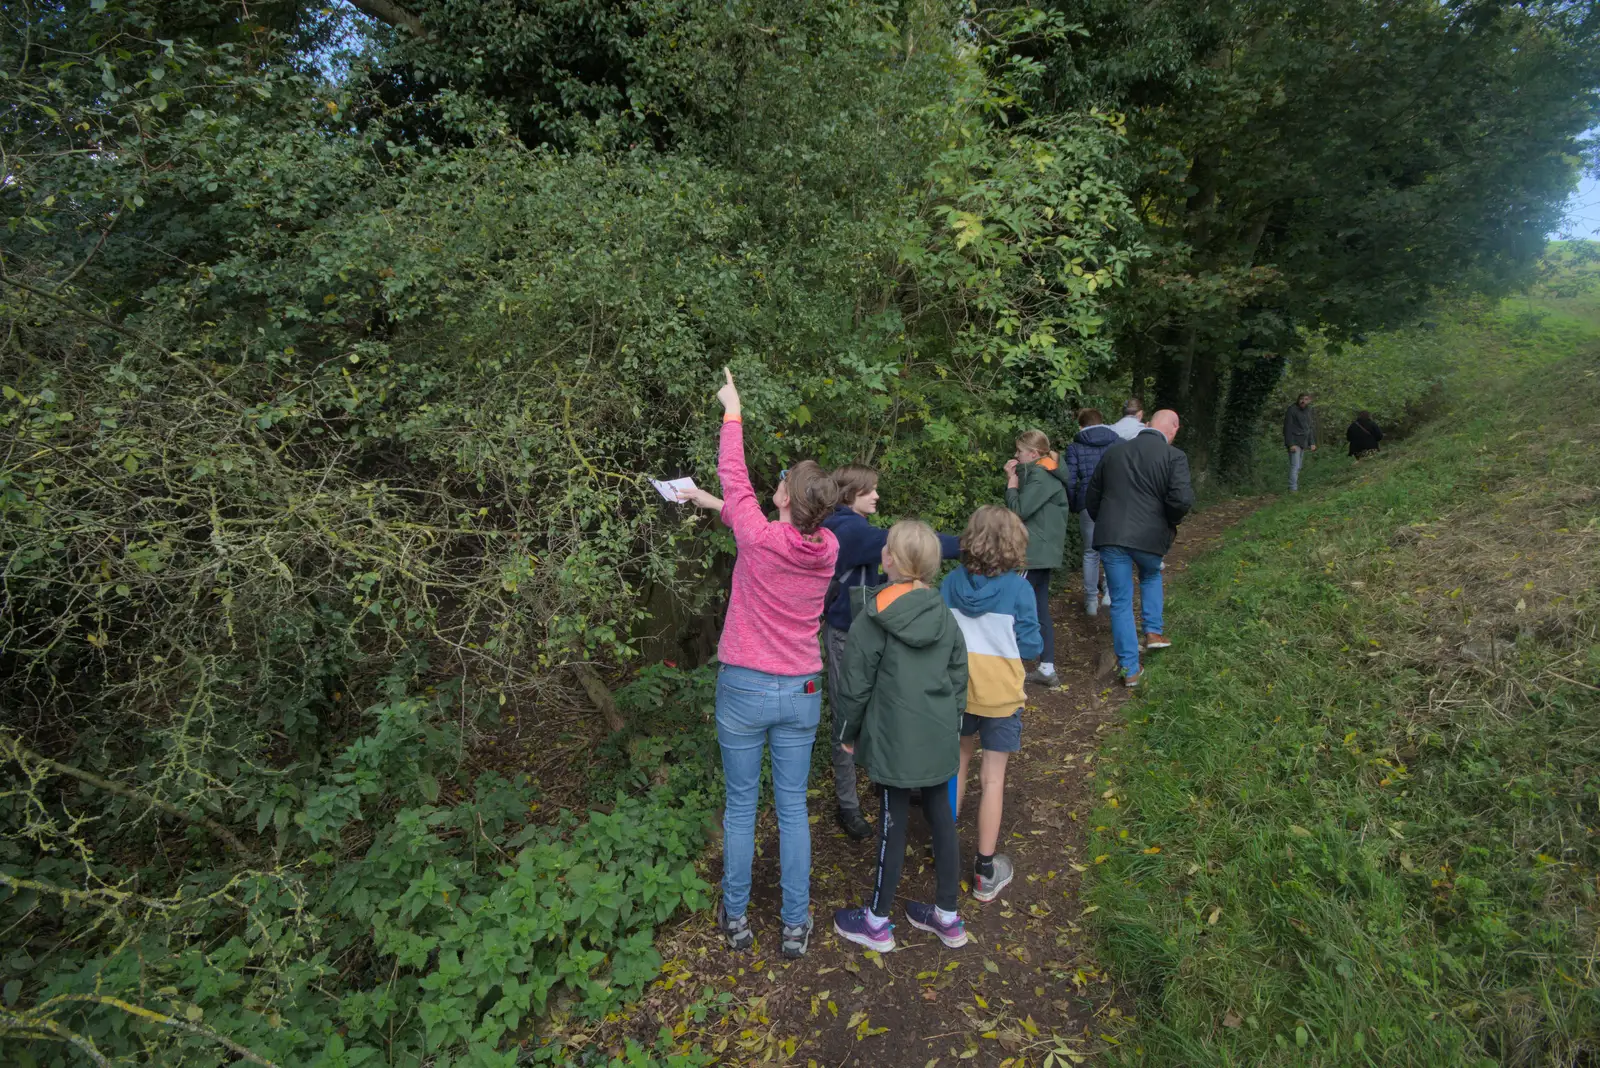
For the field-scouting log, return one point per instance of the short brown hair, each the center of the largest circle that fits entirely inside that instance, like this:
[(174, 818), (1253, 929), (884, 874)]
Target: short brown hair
[(813, 494), (854, 480), (1090, 417), (995, 541), (915, 548), (1037, 440), (1132, 406)]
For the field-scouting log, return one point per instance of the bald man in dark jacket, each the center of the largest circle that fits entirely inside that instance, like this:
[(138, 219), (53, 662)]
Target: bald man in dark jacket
[(1137, 497)]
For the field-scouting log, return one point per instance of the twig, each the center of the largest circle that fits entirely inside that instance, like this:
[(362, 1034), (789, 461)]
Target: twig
[(20, 753), (1575, 682)]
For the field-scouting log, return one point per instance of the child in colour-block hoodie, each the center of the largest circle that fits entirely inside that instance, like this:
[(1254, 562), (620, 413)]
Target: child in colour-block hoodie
[(994, 606)]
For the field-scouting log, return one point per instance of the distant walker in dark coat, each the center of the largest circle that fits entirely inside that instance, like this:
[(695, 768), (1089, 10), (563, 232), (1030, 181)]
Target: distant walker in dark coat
[(1137, 497), (1363, 436), (1299, 436)]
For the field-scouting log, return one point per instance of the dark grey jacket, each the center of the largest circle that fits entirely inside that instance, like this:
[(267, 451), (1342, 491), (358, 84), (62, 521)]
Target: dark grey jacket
[(1139, 494), (1299, 426)]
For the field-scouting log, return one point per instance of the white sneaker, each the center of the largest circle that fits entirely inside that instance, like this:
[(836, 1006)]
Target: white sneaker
[(1105, 598)]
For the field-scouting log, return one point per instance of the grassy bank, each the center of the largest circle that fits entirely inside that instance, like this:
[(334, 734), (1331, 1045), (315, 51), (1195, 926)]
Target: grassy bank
[(1353, 818)]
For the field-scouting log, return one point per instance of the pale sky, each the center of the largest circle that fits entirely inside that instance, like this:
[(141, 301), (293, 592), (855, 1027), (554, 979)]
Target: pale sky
[(1583, 210)]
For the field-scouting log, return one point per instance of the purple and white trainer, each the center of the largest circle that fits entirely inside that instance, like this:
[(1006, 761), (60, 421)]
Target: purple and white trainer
[(925, 917), (853, 925)]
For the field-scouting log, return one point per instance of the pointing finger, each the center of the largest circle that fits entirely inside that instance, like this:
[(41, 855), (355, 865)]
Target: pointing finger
[(728, 373)]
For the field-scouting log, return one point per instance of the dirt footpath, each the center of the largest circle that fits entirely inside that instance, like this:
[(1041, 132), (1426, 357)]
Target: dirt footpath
[(1026, 985)]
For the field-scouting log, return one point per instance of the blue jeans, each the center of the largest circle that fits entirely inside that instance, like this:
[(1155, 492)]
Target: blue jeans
[(1296, 458), (1091, 564), (756, 710), (1118, 563)]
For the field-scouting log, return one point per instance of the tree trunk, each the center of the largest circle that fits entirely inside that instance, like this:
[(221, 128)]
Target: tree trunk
[(1204, 400), (1249, 386), (599, 696), (388, 12)]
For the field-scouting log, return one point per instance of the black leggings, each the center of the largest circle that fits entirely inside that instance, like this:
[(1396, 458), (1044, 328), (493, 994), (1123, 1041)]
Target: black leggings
[(1039, 579), (939, 806)]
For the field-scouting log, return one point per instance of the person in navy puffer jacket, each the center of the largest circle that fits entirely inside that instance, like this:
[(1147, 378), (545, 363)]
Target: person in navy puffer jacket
[(1083, 456), (859, 564)]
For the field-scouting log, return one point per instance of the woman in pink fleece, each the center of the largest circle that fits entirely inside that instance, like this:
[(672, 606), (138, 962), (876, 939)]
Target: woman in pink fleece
[(767, 686)]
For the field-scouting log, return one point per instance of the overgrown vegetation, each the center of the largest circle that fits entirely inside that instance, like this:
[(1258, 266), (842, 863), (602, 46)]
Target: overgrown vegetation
[(336, 346), (1353, 822)]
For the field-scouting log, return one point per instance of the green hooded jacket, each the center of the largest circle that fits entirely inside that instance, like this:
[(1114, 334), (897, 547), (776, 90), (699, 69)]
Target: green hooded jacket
[(903, 688), (1041, 500)]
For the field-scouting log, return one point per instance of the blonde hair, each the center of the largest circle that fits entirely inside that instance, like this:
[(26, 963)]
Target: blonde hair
[(915, 548), (995, 541), (854, 480), (1036, 440)]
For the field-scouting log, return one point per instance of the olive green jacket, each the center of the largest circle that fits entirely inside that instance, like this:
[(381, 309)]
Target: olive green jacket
[(1041, 500), (903, 688)]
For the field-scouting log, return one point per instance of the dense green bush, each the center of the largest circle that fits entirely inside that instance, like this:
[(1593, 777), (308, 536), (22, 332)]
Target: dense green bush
[(388, 919), (336, 351)]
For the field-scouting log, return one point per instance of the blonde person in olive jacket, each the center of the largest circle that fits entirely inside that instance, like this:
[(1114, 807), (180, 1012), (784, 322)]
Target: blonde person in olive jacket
[(1036, 491)]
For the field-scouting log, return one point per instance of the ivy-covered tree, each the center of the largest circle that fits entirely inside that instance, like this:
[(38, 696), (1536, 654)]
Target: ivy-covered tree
[(1322, 166)]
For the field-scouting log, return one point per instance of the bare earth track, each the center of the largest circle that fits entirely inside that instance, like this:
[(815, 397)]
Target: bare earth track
[(1027, 984)]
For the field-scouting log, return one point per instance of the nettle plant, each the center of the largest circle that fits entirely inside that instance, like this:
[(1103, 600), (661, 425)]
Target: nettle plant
[(394, 922)]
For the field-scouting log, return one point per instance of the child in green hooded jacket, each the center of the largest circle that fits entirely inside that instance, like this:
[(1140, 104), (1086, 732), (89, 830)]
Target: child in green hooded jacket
[(902, 692), (1036, 491)]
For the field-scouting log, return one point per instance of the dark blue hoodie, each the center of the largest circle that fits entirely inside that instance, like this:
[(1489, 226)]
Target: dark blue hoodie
[(861, 557), (1083, 456)]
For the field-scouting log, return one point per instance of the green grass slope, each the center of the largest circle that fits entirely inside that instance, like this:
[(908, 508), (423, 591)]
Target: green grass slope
[(1354, 818)]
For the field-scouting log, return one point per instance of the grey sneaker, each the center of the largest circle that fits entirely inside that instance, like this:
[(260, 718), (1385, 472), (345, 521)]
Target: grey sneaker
[(796, 940), (736, 931), (1041, 679), (988, 888)]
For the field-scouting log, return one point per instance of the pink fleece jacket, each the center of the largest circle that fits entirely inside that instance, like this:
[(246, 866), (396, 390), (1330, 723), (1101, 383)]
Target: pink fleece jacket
[(779, 579)]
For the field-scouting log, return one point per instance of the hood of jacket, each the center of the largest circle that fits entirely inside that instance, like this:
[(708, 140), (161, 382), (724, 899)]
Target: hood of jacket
[(816, 553), (916, 617), (1047, 462), (976, 595), (843, 518), (1098, 436)]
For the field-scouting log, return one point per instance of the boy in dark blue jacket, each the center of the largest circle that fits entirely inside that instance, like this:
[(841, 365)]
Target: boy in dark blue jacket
[(860, 558), (1083, 456)]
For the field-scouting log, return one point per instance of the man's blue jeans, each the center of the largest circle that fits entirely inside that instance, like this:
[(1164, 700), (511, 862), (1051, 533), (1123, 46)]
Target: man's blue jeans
[(1296, 458), (755, 711), (1118, 564)]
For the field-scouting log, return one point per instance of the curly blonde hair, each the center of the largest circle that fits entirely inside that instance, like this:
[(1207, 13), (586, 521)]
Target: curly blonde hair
[(995, 541)]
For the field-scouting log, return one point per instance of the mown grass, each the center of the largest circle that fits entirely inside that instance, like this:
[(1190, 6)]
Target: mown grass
[(1353, 819)]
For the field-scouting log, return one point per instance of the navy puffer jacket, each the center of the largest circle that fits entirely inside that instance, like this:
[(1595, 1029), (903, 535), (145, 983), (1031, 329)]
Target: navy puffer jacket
[(1083, 456)]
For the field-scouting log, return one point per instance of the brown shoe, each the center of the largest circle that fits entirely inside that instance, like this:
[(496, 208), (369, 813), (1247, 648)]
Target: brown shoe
[(1156, 641)]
